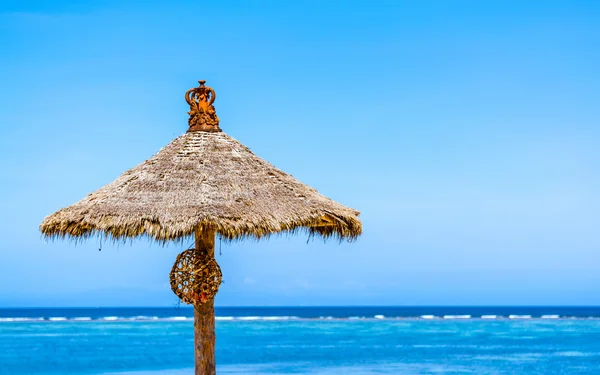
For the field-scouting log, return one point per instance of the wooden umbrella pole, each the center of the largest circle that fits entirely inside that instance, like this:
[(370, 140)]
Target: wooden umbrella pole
[(204, 316)]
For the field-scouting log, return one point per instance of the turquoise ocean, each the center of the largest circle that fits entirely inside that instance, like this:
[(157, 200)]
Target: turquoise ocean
[(305, 340)]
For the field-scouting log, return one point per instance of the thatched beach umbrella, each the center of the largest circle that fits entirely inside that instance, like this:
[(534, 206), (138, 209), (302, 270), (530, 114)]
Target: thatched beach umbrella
[(202, 184)]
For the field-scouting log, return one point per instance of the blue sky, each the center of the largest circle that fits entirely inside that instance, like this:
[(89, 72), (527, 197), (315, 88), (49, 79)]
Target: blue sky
[(467, 133)]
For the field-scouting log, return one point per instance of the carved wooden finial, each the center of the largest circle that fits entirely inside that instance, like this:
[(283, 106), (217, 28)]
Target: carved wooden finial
[(203, 116)]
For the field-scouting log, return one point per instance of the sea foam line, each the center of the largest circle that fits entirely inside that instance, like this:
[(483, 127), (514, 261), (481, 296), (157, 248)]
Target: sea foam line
[(489, 317), (11, 320), (373, 318), (457, 316)]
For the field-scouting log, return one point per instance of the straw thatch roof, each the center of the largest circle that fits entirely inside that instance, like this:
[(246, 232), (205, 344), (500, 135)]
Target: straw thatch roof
[(203, 179)]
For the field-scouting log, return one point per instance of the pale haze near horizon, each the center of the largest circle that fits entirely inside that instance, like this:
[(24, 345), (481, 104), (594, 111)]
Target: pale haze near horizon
[(466, 134)]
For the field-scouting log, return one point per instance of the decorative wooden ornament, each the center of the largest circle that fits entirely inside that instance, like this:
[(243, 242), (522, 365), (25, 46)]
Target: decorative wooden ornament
[(203, 116), (195, 277)]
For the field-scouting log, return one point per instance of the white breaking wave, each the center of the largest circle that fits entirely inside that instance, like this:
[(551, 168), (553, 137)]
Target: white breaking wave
[(575, 354), (82, 319), (110, 318), (489, 317), (550, 316), (457, 316), (519, 317), (263, 318), (21, 319), (57, 319), (427, 317), (178, 318), (280, 318), (379, 317), (143, 317)]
